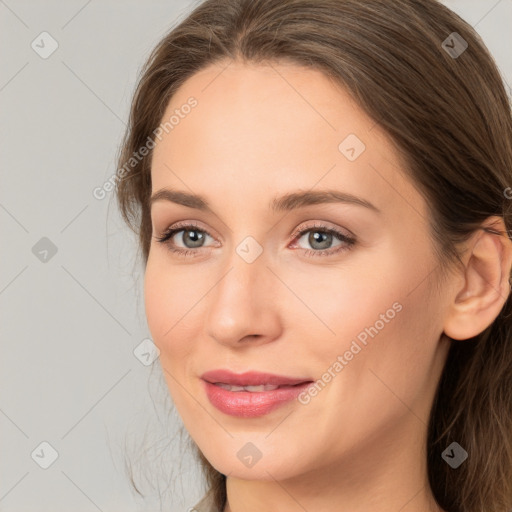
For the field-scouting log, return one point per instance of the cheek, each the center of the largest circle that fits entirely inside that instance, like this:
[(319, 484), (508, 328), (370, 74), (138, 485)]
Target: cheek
[(157, 302), (166, 313), (350, 298), (396, 364), (170, 296), (381, 315)]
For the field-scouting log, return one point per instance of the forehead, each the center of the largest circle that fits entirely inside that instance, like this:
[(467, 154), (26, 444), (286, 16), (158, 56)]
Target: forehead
[(262, 128), (272, 108)]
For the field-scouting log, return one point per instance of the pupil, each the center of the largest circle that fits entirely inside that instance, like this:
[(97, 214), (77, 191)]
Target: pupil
[(321, 237), (195, 238)]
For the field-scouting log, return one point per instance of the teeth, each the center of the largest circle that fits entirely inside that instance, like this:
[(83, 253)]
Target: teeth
[(230, 388), (262, 387), (252, 389)]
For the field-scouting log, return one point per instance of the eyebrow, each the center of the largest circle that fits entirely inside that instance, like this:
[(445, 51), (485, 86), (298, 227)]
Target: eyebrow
[(286, 202)]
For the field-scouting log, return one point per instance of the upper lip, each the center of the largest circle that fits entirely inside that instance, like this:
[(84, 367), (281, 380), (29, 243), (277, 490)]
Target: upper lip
[(251, 378)]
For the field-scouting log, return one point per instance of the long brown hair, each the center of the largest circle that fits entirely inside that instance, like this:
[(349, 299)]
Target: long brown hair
[(446, 108)]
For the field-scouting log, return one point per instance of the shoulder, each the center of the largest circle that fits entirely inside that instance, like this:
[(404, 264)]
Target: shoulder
[(205, 505)]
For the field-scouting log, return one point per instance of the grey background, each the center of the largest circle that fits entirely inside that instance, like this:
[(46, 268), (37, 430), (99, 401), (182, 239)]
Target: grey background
[(70, 324)]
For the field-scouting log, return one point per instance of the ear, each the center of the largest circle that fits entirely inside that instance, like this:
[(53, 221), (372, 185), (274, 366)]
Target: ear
[(486, 282)]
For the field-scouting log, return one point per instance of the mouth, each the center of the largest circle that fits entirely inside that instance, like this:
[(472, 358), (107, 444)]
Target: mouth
[(251, 394), (251, 379), (255, 389)]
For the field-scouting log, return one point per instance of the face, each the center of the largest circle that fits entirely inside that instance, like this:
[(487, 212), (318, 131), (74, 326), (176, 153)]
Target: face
[(337, 290)]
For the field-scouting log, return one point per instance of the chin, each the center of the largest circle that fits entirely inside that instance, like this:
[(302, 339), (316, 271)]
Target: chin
[(269, 467)]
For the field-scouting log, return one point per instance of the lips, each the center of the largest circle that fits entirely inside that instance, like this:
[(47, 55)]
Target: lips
[(249, 379), (251, 394)]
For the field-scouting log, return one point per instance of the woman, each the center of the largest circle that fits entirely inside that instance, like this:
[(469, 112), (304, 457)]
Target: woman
[(320, 193)]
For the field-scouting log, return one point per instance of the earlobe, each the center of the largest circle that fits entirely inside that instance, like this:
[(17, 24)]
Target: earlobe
[(486, 284)]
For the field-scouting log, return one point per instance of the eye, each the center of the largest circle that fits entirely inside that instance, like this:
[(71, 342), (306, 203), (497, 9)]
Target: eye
[(192, 237), (321, 238)]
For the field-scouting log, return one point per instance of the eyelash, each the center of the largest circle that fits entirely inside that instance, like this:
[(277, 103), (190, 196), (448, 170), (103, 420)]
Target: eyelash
[(347, 240)]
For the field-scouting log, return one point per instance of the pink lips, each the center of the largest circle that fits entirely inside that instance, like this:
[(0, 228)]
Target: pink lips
[(249, 404)]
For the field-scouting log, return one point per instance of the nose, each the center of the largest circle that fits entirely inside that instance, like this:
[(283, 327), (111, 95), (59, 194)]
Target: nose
[(243, 306)]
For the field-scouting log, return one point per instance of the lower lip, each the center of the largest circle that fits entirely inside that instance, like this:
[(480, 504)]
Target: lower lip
[(246, 404)]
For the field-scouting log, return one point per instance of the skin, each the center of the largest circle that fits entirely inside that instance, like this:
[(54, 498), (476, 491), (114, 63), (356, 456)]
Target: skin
[(260, 131)]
